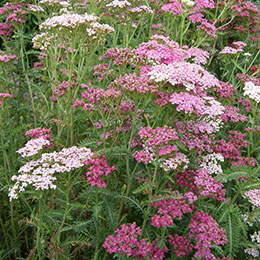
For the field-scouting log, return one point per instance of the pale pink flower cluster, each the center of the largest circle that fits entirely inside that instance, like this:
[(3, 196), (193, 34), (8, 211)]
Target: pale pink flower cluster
[(175, 162), (40, 173), (33, 146), (161, 49), (201, 106), (6, 58), (230, 50), (192, 76), (252, 91), (253, 196)]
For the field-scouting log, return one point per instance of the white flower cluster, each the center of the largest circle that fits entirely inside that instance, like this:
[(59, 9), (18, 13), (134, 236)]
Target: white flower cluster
[(70, 25), (256, 237), (252, 91), (253, 251), (35, 8), (39, 173), (118, 3), (188, 3), (68, 21), (42, 41), (174, 163), (210, 163), (62, 4), (33, 146), (245, 217)]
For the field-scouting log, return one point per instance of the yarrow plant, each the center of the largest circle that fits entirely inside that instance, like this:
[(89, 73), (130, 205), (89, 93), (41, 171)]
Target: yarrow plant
[(141, 129)]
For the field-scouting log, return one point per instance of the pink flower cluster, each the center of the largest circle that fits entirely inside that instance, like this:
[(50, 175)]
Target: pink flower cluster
[(5, 29), (14, 11), (205, 230), (230, 50), (60, 90), (133, 83), (208, 186), (92, 97), (6, 58), (3, 96), (39, 132), (231, 149), (40, 173), (119, 56), (127, 243), (195, 14), (181, 245), (168, 209), (201, 106), (196, 136), (102, 71), (158, 141), (164, 51), (98, 167), (231, 113)]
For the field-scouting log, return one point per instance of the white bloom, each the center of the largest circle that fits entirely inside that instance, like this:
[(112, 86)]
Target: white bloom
[(252, 91)]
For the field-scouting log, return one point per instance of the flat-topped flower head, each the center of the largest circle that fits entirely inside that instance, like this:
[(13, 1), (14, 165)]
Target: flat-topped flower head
[(40, 173)]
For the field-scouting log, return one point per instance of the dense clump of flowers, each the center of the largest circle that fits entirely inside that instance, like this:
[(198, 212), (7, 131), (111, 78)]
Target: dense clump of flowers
[(40, 173), (208, 186), (191, 76), (238, 47), (254, 197), (60, 90), (210, 162), (71, 25), (133, 83), (127, 243), (6, 58), (201, 106), (205, 230), (168, 209), (231, 149), (157, 142), (39, 132), (252, 91), (196, 136), (98, 167), (92, 96), (164, 51), (33, 146), (181, 245), (41, 139), (231, 113)]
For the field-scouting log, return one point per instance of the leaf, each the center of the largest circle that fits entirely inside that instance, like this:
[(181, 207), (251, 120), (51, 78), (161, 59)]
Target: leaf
[(141, 188)]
